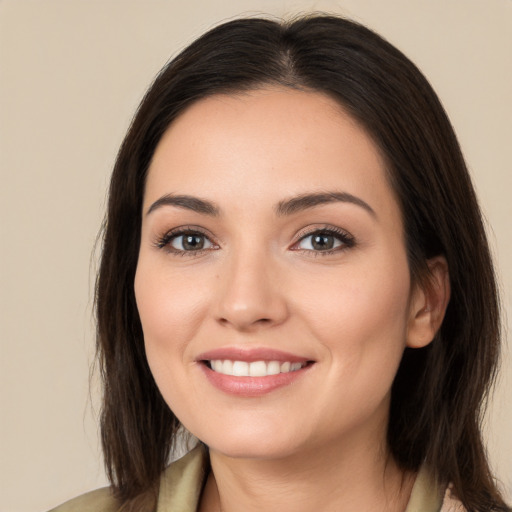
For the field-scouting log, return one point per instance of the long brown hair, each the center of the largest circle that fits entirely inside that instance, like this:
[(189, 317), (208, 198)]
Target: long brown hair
[(439, 391)]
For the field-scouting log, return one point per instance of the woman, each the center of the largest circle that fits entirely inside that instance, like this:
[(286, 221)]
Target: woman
[(296, 272)]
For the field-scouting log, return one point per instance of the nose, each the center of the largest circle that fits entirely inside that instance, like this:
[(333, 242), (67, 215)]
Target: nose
[(251, 295)]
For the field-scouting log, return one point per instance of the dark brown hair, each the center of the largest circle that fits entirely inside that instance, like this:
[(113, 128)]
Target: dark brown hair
[(439, 391)]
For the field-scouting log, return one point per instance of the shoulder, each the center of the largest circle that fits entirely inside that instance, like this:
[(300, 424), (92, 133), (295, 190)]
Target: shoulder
[(183, 480), (100, 500), (428, 496), (180, 488), (451, 503)]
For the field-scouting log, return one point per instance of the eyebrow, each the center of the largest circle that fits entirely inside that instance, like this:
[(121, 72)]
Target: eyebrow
[(187, 202), (283, 208), (306, 201)]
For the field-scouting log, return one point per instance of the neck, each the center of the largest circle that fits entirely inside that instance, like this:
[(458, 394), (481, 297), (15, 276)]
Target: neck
[(333, 479)]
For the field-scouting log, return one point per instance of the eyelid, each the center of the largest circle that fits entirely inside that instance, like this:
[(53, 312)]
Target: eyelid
[(164, 241), (347, 240)]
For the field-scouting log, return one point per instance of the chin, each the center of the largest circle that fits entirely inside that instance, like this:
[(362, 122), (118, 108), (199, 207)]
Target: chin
[(253, 451), (251, 443)]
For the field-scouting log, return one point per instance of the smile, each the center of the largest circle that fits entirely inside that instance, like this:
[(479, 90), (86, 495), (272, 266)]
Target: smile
[(253, 369), (252, 372)]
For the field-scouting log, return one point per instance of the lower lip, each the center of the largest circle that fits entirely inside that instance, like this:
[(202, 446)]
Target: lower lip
[(252, 386)]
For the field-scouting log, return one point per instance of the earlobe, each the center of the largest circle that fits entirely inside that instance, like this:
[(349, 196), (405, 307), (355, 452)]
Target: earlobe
[(428, 304)]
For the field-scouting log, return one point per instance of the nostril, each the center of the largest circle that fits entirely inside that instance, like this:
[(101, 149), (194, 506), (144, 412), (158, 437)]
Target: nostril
[(245, 324)]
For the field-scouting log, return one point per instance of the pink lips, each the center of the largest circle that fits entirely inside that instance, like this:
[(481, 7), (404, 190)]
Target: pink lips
[(251, 386), (250, 355)]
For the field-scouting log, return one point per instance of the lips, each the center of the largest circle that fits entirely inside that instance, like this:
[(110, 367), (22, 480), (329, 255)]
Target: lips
[(252, 372)]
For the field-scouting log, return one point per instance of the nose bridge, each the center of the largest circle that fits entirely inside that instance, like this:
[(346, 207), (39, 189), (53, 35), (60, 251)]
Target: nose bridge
[(250, 294)]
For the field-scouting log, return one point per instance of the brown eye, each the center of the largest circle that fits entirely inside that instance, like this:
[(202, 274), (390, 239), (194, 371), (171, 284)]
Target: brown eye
[(190, 242), (321, 241)]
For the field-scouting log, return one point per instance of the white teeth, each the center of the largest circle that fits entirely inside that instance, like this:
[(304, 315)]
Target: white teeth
[(240, 369), (217, 366), (254, 369), (258, 369), (227, 367), (273, 368)]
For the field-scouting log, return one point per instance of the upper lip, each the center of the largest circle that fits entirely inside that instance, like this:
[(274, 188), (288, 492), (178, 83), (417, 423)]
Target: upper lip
[(250, 354)]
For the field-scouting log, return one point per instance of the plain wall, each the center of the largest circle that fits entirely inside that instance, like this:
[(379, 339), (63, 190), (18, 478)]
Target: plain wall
[(71, 76)]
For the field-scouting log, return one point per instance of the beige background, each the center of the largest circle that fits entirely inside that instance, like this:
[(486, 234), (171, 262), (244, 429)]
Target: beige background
[(71, 75)]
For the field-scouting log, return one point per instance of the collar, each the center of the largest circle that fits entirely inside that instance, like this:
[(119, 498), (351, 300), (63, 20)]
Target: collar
[(182, 483)]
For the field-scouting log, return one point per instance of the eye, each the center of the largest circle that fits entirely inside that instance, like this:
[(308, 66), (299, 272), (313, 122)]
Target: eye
[(325, 240), (185, 241), (190, 242)]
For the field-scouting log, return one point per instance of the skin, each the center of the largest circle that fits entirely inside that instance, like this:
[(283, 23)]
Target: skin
[(259, 282)]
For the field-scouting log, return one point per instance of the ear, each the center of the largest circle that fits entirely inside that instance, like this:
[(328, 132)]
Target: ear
[(428, 304)]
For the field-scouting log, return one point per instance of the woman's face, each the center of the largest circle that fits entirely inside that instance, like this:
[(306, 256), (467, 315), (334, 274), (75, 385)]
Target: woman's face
[(272, 283)]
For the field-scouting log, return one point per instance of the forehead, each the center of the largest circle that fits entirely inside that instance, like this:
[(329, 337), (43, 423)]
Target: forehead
[(265, 145)]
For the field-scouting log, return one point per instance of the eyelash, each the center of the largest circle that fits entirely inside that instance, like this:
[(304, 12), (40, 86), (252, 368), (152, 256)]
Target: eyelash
[(164, 242), (347, 241)]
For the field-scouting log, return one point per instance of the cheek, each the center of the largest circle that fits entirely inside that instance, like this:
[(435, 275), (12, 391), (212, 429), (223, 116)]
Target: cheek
[(362, 319), (170, 308), (362, 326)]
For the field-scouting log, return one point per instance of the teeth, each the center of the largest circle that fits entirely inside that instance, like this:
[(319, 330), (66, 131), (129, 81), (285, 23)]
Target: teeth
[(273, 368), (217, 366), (258, 369), (240, 368), (226, 367), (254, 369)]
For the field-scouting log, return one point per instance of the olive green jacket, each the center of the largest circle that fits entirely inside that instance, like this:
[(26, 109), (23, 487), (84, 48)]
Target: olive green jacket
[(182, 481)]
